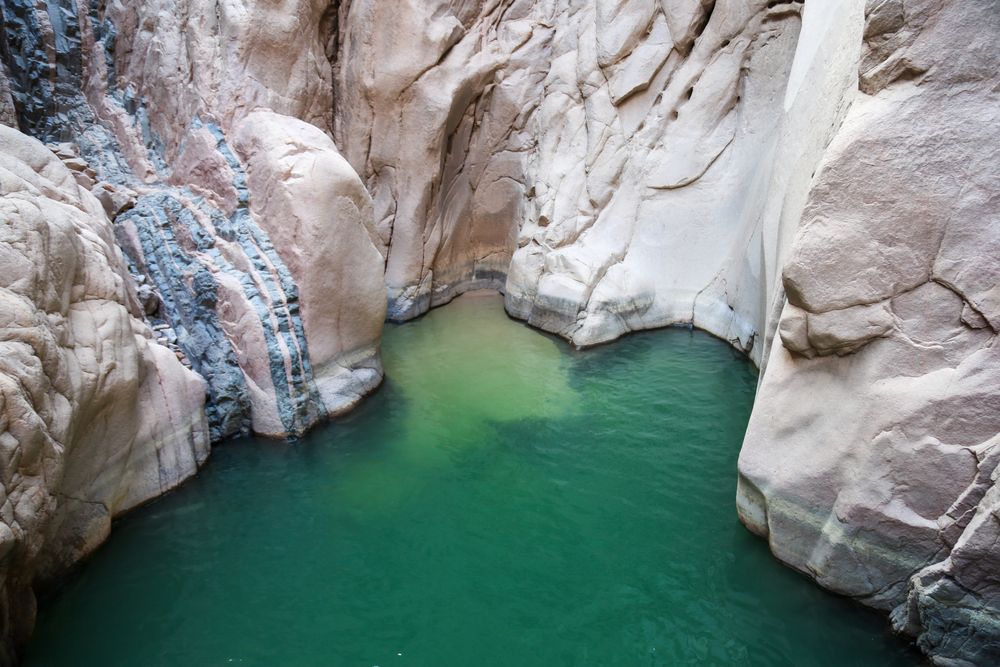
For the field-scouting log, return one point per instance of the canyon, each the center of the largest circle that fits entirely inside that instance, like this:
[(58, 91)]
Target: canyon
[(211, 208)]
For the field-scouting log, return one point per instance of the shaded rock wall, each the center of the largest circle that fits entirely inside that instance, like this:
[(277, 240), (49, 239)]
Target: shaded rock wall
[(432, 105)]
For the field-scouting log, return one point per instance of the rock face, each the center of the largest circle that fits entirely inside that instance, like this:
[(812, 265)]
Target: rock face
[(210, 227), (871, 457), (432, 105), (95, 416), (611, 166), (815, 182), (309, 201), (649, 163), (653, 170), (190, 258)]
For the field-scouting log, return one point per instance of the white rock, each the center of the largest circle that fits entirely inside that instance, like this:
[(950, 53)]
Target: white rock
[(875, 472), (96, 418)]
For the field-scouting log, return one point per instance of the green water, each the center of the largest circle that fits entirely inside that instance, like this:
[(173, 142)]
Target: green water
[(502, 500)]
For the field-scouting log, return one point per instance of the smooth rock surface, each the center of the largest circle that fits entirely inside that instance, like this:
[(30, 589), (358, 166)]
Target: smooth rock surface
[(612, 166), (95, 416), (870, 462), (432, 105), (318, 214), (149, 96), (814, 182), (258, 272)]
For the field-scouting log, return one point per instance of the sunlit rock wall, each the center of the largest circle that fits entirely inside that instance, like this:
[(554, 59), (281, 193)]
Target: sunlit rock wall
[(871, 458), (657, 133)]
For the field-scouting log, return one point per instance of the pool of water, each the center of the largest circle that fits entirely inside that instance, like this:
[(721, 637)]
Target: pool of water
[(501, 500)]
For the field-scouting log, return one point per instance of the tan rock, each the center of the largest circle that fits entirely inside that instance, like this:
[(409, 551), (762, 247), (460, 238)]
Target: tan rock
[(95, 418), (880, 484), (826, 171), (318, 214), (222, 60)]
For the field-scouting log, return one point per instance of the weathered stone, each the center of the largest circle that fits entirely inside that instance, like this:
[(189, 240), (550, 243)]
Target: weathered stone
[(882, 485), (96, 418), (318, 214), (636, 144), (120, 92), (115, 199), (826, 171)]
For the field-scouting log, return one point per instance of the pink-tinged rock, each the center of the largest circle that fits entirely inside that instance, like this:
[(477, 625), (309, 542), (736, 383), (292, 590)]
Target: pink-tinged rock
[(95, 417), (875, 471), (318, 215)]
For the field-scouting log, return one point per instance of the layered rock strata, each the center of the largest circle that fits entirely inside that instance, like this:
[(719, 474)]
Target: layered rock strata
[(250, 294), (242, 245), (815, 182)]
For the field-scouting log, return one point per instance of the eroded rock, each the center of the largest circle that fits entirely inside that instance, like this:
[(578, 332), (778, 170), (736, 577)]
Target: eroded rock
[(882, 484), (96, 417), (318, 214), (612, 166), (826, 171)]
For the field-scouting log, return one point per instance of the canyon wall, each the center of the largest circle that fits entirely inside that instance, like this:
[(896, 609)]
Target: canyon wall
[(814, 182), (824, 172), (204, 135), (189, 258), (882, 483), (96, 417), (611, 166)]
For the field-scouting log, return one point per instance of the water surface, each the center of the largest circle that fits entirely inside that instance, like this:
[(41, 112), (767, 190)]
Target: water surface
[(501, 501)]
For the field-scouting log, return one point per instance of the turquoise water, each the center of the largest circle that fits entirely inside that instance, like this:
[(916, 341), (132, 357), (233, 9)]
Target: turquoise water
[(502, 500)]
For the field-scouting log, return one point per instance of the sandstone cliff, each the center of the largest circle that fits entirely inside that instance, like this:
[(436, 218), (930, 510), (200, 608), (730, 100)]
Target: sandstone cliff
[(610, 165), (241, 238), (186, 261), (828, 169)]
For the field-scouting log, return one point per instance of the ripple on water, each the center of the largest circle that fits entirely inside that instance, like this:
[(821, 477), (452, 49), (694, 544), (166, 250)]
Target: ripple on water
[(502, 500)]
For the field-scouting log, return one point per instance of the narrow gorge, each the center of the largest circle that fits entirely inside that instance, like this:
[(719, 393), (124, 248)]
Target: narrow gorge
[(212, 208)]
